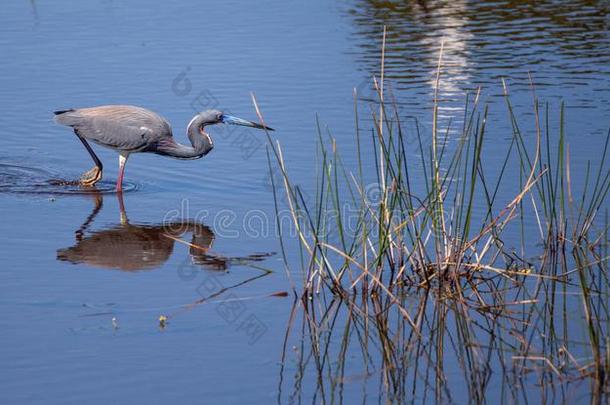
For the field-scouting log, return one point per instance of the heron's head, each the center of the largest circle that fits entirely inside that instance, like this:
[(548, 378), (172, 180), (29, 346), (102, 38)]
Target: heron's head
[(211, 117)]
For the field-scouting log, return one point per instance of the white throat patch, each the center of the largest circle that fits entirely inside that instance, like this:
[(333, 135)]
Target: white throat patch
[(189, 124), (207, 136)]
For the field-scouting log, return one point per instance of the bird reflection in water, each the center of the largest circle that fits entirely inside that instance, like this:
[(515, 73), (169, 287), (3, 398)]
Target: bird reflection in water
[(133, 247)]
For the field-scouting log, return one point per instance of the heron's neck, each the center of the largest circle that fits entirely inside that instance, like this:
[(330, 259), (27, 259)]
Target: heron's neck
[(201, 145)]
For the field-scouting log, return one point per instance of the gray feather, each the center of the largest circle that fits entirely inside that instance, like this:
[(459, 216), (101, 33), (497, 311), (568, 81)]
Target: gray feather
[(123, 127)]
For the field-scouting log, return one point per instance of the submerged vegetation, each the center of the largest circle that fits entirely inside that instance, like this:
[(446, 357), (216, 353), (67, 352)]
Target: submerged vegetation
[(441, 270)]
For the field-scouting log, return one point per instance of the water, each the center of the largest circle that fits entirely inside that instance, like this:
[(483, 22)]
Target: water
[(74, 259)]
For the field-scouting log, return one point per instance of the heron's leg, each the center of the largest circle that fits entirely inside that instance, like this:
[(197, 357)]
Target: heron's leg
[(94, 175), (122, 160)]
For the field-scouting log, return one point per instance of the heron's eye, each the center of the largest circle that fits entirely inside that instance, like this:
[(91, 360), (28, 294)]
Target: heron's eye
[(219, 117)]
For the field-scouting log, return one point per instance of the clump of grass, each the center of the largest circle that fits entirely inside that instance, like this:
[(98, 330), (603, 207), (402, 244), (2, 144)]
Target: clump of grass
[(441, 238)]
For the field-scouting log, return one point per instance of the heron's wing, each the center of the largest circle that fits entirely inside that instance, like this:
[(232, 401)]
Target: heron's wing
[(126, 128), (114, 135)]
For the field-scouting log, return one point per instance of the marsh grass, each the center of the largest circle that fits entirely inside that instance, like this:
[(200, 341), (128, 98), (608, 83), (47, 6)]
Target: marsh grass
[(427, 277)]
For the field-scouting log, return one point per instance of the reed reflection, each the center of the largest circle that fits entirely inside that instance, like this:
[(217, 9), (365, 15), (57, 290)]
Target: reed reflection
[(133, 247)]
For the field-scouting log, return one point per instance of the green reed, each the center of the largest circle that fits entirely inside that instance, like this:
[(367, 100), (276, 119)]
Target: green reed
[(429, 256)]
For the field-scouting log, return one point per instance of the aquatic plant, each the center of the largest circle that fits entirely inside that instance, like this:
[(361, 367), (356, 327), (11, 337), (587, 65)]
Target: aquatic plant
[(427, 275)]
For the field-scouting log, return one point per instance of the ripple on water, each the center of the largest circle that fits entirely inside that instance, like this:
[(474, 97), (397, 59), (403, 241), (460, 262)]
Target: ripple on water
[(19, 179)]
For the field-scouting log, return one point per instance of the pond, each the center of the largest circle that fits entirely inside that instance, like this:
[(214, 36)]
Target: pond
[(180, 289)]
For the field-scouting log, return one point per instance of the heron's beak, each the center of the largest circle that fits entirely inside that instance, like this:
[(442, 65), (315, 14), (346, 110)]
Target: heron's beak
[(229, 119)]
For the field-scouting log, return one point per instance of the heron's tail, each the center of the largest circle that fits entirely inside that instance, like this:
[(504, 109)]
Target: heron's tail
[(65, 117), (59, 112)]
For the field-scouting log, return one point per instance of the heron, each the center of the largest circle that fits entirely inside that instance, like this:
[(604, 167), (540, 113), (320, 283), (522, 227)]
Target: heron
[(130, 129)]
